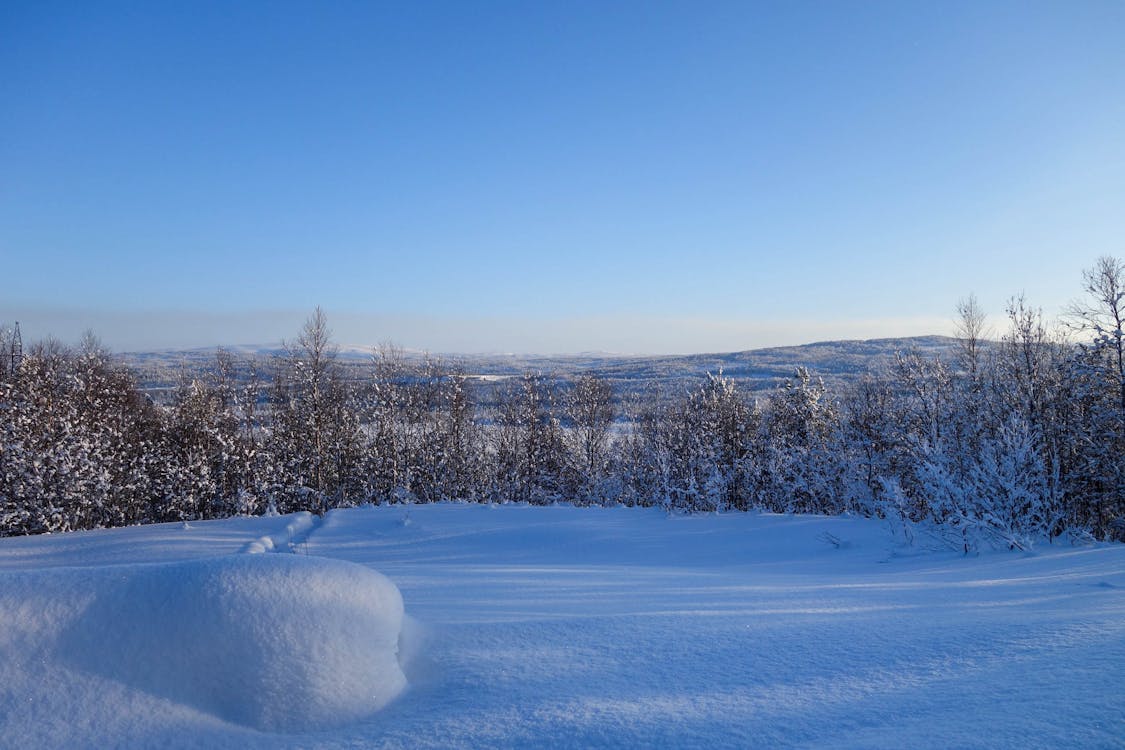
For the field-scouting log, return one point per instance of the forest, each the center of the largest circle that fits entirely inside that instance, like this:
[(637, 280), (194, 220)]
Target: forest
[(1020, 437)]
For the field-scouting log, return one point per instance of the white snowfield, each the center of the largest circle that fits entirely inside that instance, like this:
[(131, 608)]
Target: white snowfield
[(554, 627)]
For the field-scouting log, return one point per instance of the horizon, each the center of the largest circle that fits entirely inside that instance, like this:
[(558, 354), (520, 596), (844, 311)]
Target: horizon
[(69, 330), (673, 178), (356, 348)]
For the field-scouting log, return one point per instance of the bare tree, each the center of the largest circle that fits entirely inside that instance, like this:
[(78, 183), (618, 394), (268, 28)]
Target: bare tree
[(1099, 375), (589, 405), (316, 429), (970, 333), (1028, 353), (1102, 317)]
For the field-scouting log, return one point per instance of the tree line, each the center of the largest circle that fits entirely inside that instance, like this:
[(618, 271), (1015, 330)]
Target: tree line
[(1006, 442)]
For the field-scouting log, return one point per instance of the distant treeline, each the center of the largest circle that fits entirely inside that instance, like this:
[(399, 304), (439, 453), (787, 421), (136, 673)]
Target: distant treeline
[(1011, 442)]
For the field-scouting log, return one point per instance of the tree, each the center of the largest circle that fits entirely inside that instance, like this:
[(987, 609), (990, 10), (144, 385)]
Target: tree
[(386, 405), (800, 467), (727, 424), (459, 443), (871, 439), (41, 449), (212, 444), (589, 408), (527, 444), (971, 322), (315, 431), (1098, 371), (643, 455), (78, 441), (1102, 317)]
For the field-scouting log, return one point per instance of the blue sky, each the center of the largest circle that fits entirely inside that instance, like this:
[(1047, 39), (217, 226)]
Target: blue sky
[(552, 177)]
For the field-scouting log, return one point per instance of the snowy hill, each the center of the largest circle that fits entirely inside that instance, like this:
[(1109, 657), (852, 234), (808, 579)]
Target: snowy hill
[(553, 627), (835, 361)]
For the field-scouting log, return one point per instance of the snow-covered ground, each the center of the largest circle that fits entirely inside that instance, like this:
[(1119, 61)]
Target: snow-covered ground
[(553, 627)]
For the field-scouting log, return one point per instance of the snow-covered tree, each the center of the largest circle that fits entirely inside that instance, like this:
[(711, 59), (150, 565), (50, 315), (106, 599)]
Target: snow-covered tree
[(315, 435), (590, 411), (1098, 374), (527, 449), (799, 466), (78, 441), (871, 442)]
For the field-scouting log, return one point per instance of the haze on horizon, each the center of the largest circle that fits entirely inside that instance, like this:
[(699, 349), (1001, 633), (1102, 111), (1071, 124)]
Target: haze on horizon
[(645, 178), (172, 330)]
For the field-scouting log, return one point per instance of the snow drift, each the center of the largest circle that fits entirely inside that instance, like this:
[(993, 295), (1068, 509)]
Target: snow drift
[(274, 642)]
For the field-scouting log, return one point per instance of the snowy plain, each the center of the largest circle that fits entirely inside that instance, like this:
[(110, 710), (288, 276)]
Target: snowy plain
[(479, 626)]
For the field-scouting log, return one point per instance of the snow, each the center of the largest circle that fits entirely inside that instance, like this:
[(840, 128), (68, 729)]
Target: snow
[(273, 642), (289, 539), (555, 627)]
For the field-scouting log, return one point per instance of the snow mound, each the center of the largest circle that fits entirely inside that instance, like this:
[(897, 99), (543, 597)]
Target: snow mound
[(274, 642)]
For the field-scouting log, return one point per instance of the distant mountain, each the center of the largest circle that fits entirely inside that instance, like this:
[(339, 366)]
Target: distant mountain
[(831, 360), (835, 361), (202, 353)]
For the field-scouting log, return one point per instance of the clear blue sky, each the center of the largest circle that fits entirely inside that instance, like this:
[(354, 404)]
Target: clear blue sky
[(552, 176)]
